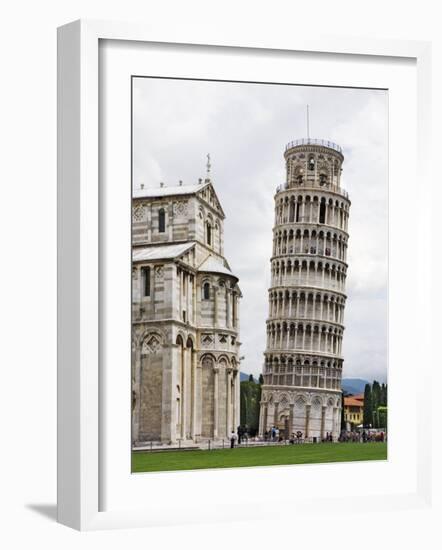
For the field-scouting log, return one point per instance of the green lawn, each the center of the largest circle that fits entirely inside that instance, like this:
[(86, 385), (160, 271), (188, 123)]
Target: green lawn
[(258, 456)]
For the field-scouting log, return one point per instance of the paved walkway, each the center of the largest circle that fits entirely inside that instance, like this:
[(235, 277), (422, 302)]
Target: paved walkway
[(205, 445)]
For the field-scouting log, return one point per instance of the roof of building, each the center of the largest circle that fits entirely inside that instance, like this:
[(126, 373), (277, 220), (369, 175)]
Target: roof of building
[(214, 265), (352, 402), (165, 191), (359, 396), (161, 251)]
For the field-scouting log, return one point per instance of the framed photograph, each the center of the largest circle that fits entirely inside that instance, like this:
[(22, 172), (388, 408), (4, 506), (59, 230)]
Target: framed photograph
[(233, 219)]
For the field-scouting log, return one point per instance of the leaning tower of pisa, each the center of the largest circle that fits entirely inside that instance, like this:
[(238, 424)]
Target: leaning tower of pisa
[(303, 357)]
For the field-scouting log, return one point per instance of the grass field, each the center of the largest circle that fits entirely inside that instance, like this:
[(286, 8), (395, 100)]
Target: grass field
[(257, 456)]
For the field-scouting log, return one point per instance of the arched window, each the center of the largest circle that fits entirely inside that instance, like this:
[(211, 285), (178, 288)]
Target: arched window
[(209, 234), (145, 278), (322, 212), (292, 211), (311, 163), (161, 220), (206, 291)]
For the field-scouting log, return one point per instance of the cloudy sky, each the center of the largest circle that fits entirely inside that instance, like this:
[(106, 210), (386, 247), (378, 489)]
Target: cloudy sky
[(245, 128)]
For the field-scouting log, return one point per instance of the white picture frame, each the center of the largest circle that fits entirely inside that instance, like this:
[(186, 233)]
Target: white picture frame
[(79, 390)]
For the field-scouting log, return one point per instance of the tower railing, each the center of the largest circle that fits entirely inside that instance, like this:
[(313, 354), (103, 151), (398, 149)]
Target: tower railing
[(311, 141)]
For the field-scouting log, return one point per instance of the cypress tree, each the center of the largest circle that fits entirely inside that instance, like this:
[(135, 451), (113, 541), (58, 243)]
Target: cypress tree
[(375, 402), (368, 408), (383, 402), (250, 398)]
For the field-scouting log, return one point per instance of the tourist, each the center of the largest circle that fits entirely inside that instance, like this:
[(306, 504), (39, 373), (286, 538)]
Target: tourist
[(239, 432), (233, 438)]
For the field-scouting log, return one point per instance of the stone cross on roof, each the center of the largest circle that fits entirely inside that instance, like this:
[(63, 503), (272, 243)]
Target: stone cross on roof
[(208, 165)]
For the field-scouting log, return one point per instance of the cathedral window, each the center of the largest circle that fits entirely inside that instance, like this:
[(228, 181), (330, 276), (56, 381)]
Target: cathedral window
[(161, 220), (206, 291), (209, 234), (145, 278)]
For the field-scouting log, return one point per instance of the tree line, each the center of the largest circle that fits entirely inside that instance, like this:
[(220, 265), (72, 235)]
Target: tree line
[(375, 405)]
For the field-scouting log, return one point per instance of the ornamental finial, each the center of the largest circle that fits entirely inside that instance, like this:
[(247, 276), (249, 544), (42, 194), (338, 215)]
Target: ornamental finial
[(208, 165)]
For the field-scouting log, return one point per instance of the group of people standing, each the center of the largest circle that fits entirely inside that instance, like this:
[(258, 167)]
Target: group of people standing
[(273, 434), (276, 435), (365, 436), (240, 435)]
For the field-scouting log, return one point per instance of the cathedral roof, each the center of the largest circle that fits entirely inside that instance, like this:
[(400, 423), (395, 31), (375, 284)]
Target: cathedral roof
[(165, 191), (214, 265), (160, 251), (194, 189)]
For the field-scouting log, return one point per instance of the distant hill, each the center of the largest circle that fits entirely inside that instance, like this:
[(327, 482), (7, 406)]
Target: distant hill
[(354, 385), (349, 385)]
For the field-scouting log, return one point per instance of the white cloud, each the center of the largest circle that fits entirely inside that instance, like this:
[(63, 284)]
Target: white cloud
[(245, 127)]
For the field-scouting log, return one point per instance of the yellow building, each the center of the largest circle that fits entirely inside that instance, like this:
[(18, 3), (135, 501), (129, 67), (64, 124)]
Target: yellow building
[(354, 409)]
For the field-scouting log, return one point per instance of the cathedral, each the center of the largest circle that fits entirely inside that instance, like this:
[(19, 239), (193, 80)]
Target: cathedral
[(185, 317), (303, 357)]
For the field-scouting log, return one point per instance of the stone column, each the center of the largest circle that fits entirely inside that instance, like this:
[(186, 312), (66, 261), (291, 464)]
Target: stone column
[(194, 300), (183, 392), (193, 389), (234, 305), (136, 386), (291, 415), (215, 400), (188, 297), (215, 305), (228, 309), (335, 428), (261, 419), (236, 419), (180, 314), (275, 413), (324, 408), (229, 403), (266, 412), (307, 420)]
